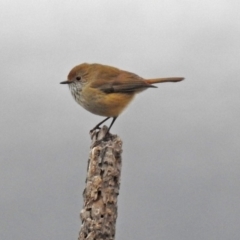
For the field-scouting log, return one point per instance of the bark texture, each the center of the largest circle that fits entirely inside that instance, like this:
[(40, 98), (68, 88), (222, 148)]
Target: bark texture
[(99, 213)]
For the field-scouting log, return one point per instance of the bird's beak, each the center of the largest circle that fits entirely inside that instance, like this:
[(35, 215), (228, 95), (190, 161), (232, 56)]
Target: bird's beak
[(65, 82)]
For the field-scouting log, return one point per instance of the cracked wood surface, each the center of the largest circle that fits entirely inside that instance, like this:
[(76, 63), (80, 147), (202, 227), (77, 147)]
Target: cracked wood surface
[(99, 213)]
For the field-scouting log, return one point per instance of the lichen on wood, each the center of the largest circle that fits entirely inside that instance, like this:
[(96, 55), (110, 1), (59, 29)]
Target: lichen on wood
[(99, 213)]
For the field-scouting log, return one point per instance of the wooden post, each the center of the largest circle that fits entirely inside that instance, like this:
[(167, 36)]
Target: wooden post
[(99, 213)]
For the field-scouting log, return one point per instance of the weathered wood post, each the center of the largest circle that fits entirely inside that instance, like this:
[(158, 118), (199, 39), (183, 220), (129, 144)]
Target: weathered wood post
[(99, 213)]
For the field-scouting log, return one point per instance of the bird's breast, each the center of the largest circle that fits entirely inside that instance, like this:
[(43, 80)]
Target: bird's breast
[(76, 91), (101, 103)]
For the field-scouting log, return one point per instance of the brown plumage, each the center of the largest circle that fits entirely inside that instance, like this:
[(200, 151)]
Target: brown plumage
[(106, 90)]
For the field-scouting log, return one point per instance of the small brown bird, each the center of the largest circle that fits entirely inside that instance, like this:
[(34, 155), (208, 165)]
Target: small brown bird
[(106, 90)]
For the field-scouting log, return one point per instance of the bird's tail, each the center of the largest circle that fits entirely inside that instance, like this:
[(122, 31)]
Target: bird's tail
[(161, 80)]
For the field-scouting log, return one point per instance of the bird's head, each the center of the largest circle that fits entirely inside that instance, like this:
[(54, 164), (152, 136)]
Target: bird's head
[(78, 74)]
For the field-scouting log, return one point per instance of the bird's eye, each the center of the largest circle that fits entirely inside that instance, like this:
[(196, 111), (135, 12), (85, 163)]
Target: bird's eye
[(78, 78)]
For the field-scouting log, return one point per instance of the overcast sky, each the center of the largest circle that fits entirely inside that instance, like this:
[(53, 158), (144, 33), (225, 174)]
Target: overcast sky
[(181, 159)]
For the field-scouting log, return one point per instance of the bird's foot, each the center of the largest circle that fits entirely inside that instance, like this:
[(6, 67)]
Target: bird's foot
[(99, 136), (95, 128)]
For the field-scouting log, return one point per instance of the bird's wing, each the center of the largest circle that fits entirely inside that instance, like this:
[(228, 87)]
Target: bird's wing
[(120, 82)]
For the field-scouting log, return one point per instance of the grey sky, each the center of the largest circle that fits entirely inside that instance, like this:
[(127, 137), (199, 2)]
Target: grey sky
[(181, 160)]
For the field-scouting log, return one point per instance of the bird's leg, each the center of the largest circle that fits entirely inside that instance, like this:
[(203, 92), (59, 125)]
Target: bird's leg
[(105, 138), (114, 119), (99, 124)]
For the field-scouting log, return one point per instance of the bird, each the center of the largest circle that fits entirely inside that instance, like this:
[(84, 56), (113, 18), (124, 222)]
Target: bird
[(105, 90)]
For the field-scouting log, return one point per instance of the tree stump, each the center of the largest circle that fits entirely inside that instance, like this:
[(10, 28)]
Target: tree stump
[(99, 213)]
